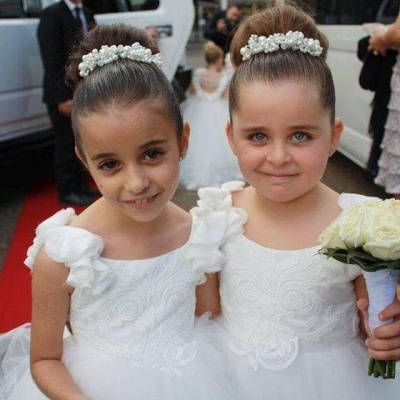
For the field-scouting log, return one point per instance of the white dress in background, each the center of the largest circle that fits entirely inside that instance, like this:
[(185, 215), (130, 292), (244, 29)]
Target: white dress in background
[(134, 329), (209, 161), (389, 161), (291, 317)]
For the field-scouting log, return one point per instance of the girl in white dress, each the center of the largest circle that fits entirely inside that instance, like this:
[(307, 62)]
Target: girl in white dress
[(123, 274), (294, 331), (209, 161)]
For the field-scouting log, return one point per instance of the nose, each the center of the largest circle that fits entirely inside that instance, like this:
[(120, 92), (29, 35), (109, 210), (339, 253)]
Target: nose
[(278, 153), (136, 179)]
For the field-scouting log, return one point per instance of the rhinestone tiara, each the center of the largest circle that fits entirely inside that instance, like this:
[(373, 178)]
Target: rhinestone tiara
[(108, 54), (290, 41)]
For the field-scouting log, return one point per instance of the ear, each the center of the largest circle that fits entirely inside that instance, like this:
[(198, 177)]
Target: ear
[(81, 157), (229, 134), (184, 140), (336, 135)]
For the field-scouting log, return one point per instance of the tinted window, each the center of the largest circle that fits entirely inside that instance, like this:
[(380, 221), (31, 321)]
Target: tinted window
[(33, 8), (110, 6), (351, 12)]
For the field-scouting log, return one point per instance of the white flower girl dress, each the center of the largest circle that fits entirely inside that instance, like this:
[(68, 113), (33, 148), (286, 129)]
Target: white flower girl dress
[(133, 323), (290, 315), (209, 161)]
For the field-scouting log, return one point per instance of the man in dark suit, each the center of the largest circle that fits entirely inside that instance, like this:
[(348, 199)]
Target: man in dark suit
[(61, 26), (221, 25)]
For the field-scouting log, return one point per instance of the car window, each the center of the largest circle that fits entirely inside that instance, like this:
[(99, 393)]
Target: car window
[(356, 12), (32, 8)]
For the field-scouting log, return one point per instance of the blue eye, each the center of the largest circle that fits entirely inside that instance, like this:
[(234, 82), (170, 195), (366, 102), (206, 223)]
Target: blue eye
[(258, 137), (300, 137)]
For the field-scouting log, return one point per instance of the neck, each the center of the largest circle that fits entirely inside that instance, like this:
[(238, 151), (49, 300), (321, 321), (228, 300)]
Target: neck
[(292, 209)]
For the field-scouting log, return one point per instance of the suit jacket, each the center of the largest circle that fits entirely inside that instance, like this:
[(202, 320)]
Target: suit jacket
[(217, 37), (57, 32)]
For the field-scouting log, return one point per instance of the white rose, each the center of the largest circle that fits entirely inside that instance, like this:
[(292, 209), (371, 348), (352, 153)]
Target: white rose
[(384, 242), (330, 238), (350, 227), (357, 221)]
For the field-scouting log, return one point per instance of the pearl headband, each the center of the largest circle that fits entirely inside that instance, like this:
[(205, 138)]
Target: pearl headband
[(290, 41), (108, 54)]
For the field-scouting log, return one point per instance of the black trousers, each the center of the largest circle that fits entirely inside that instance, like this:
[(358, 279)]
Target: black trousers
[(69, 173)]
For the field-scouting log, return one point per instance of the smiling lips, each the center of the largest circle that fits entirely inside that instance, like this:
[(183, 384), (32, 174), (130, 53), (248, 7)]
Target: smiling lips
[(279, 178), (142, 203)]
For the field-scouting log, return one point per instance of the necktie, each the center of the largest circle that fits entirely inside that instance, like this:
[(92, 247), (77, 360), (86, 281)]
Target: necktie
[(78, 19), (78, 16)]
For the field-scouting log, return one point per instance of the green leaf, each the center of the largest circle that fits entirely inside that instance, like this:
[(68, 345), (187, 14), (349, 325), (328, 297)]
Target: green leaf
[(360, 257)]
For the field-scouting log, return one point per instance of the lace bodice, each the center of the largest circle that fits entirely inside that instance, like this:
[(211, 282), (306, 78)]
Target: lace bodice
[(139, 309), (220, 85), (277, 302)]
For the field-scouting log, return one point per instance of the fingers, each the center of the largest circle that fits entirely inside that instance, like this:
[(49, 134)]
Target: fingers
[(391, 311), (362, 305), (390, 330), (388, 349)]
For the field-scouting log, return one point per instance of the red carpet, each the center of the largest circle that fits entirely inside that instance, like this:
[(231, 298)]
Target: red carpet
[(15, 282)]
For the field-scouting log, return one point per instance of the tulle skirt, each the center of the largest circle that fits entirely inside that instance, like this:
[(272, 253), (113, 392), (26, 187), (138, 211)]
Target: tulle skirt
[(106, 377), (323, 373), (209, 161)]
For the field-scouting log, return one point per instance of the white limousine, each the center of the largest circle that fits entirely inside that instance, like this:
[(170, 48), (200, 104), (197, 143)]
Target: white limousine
[(342, 22), (23, 117)]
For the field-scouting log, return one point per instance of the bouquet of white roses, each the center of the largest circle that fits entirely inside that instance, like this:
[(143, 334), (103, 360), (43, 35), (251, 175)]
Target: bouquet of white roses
[(368, 235)]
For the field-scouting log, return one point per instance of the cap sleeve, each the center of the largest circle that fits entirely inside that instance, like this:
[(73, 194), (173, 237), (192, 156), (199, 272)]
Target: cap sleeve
[(348, 200), (218, 220), (204, 246), (77, 248)]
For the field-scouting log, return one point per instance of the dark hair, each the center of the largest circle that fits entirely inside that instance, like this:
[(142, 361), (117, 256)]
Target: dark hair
[(123, 82), (281, 64)]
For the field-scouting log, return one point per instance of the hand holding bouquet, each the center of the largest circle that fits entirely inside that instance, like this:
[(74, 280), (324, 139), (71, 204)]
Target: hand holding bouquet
[(368, 235)]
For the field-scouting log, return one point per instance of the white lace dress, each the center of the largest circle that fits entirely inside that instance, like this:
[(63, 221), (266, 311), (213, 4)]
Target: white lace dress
[(389, 161), (134, 331), (209, 161), (291, 317)]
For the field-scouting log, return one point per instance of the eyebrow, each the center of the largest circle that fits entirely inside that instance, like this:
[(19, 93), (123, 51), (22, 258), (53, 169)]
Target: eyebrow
[(293, 127), (154, 142), (143, 146)]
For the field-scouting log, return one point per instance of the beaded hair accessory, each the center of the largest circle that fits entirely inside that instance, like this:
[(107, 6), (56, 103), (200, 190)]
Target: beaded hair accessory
[(108, 54), (290, 41)]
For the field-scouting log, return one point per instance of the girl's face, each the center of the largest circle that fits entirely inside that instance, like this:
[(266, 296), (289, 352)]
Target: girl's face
[(282, 137), (133, 156)]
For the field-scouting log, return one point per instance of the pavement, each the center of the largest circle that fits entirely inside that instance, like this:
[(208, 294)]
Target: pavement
[(17, 173)]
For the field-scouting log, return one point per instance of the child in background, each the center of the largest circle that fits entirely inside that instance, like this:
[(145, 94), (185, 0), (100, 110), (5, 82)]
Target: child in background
[(209, 161), (123, 274), (294, 331)]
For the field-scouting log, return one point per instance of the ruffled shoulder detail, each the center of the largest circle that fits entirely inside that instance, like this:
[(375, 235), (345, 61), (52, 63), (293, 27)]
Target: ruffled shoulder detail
[(348, 200), (215, 211), (77, 248), (204, 245)]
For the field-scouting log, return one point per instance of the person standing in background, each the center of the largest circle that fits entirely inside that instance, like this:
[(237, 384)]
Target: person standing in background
[(209, 161), (221, 25), (383, 39), (376, 75), (61, 26)]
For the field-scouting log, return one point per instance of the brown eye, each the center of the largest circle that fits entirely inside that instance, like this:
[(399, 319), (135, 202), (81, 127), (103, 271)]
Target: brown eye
[(153, 155), (108, 165)]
